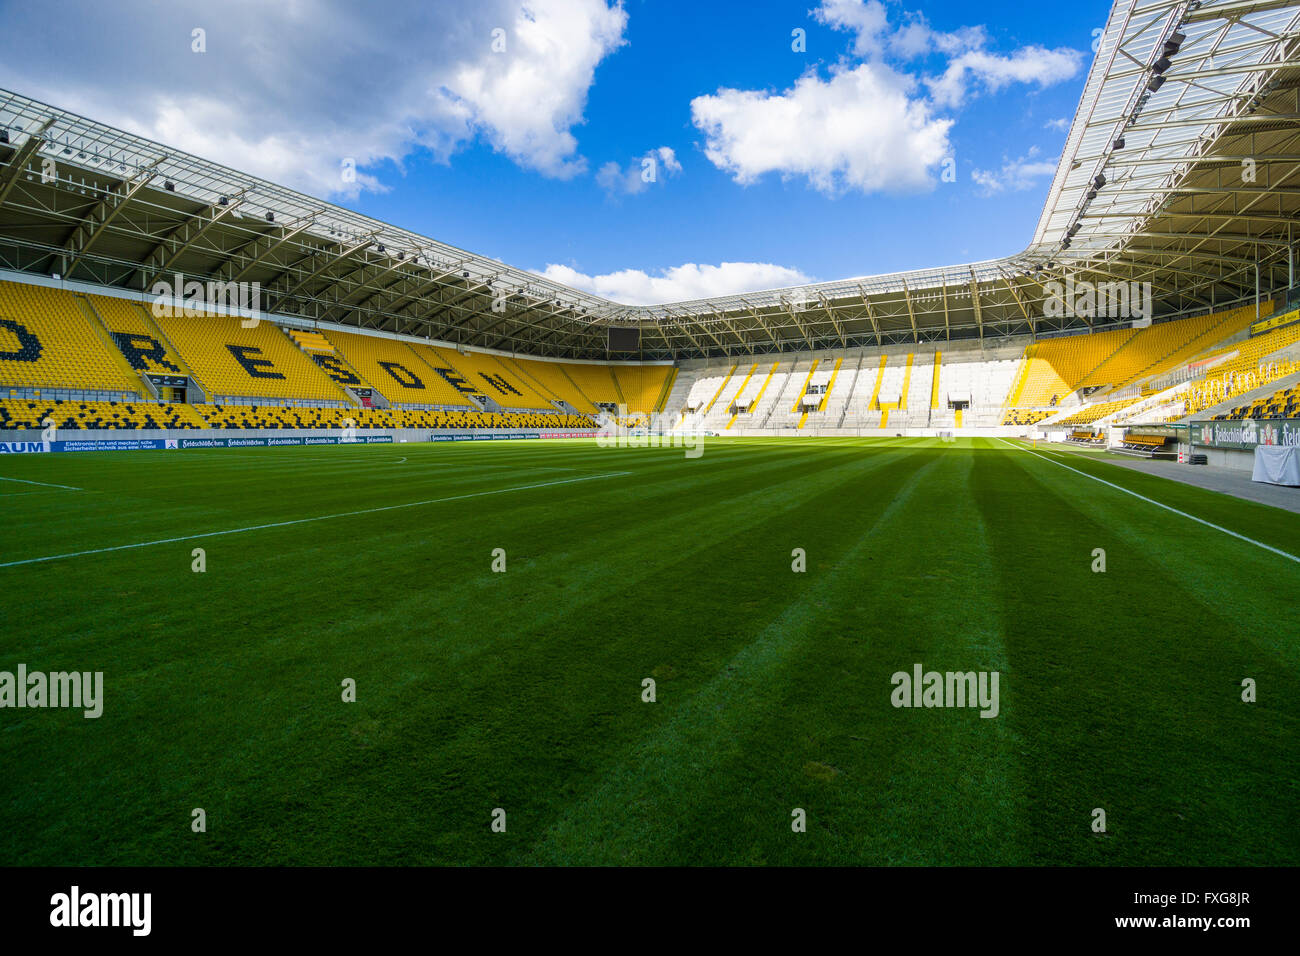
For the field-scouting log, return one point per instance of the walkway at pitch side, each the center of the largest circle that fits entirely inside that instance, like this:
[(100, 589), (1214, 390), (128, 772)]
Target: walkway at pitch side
[(1230, 481)]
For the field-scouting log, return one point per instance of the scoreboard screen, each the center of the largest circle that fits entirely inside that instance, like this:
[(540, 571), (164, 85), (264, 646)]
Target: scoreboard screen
[(624, 339)]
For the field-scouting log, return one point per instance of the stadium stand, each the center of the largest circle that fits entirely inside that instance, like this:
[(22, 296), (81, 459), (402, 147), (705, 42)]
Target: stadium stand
[(1284, 403), (31, 414), (489, 377), (1055, 368), (594, 382), (50, 338), (292, 417), (1100, 364), (1024, 416), (82, 359), (1157, 349), (1092, 413), (141, 344), (1242, 367), (399, 373), (256, 362), (643, 387), (549, 380)]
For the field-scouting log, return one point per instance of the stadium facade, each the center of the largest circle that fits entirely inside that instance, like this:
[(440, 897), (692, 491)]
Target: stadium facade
[(154, 291)]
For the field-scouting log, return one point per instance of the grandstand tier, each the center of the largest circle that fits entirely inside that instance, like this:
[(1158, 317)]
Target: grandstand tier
[(50, 338), (91, 360), (241, 358)]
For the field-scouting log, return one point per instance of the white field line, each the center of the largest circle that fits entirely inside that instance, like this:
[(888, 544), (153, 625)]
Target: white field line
[(43, 484), (294, 521), (1208, 524)]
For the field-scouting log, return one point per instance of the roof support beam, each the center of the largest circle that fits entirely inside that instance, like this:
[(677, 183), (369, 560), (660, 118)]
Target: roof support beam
[(161, 260), (104, 212), (911, 313), (18, 161), (975, 304)]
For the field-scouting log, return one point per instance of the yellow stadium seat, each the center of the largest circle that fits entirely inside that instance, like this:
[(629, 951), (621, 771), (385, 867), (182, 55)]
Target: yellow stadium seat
[(259, 361), (48, 339)]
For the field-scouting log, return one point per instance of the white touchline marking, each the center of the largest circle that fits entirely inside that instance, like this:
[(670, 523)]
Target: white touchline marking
[(43, 484), (285, 524), (1208, 524)]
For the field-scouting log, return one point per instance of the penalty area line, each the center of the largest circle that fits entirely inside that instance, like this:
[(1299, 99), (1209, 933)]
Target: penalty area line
[(294, 521), (43, 484), (1158, 504)]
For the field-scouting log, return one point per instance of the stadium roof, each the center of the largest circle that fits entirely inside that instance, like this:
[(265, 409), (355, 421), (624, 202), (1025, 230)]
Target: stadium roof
[(1180, 169)]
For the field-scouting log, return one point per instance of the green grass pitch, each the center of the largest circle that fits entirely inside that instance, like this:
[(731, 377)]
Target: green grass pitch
[(522, 690)]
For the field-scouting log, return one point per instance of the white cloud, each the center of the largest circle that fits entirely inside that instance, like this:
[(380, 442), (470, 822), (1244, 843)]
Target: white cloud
[(290, 90), (868, 126), (1031, 64), (1060, 125), (868, 21), (860, 129), (1015, 174), (647, 169), (688, 281)]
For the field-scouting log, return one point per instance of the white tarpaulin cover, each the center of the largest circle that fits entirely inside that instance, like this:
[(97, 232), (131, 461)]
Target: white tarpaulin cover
[(1277, 464)]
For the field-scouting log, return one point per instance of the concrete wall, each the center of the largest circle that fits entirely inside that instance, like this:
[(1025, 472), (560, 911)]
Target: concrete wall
[(1235, 458)]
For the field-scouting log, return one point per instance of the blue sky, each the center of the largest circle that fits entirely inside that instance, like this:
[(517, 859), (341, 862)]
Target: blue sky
[(519, 130)]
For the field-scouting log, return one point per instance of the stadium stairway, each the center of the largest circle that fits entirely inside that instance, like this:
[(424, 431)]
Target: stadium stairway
[(144, 387), (866, 387), (889, 395), (821, 387), (719, 413), (918, 394), (757, 402), (722, 384), (142, 345), (674, 406), (775, 392), (321, 351), (797, 409), (666, 389), (751, 391), (838, 408), (934, 383)]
